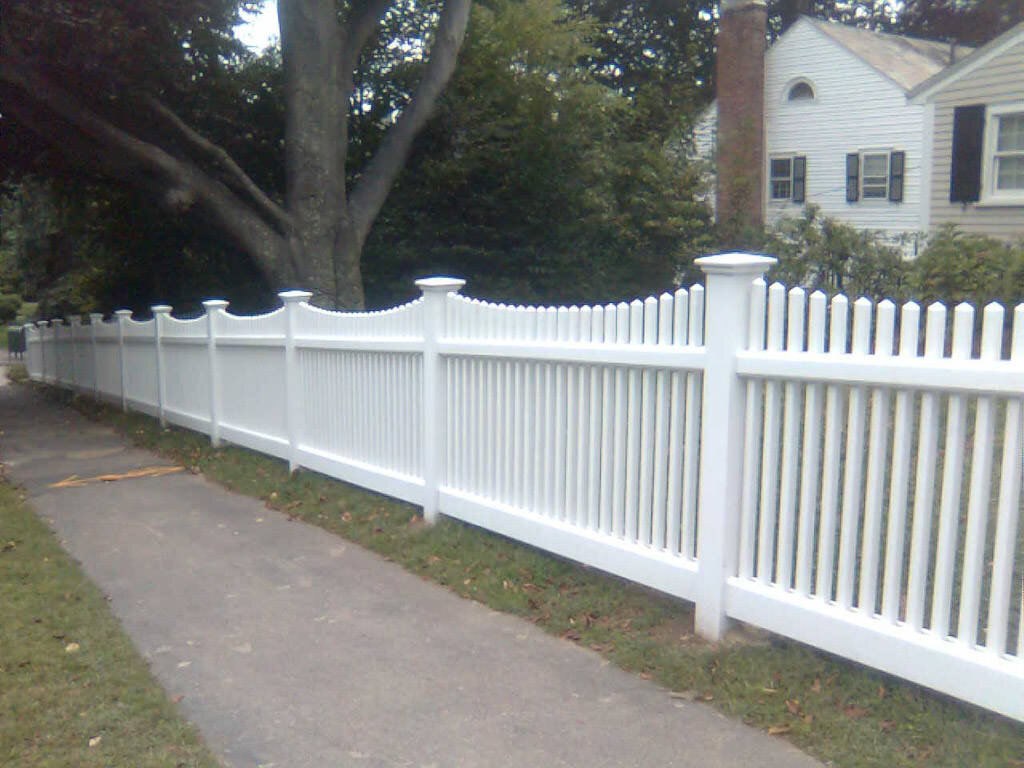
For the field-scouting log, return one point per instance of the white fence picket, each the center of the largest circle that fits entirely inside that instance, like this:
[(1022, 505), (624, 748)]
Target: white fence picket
[(952, 481), (878, 456)]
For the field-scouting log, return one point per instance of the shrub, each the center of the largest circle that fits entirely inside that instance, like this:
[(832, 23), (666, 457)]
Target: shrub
[(957, 266), (10, 306), (824, 254)]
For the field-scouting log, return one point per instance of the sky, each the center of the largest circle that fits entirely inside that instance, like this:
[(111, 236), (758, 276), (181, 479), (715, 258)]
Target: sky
[(260, 28)]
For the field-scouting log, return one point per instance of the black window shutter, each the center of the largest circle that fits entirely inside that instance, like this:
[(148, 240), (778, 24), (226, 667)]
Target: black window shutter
[(968, 135), (799, 179), (852, 177), (896, 161)]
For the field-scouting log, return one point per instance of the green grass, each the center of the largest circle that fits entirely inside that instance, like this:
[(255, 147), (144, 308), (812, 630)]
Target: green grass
[(68, 673), (833, 709)]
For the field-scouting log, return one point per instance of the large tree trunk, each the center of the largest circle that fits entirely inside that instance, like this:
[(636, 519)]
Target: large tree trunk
[(316, 108)]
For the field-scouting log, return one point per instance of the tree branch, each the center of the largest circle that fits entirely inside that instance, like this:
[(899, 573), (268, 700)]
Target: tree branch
[(183, 180), (371, 190), (225, 161), (362, 23)]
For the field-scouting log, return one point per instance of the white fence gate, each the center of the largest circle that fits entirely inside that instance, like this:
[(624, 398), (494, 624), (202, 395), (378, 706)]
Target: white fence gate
[(855, 486)]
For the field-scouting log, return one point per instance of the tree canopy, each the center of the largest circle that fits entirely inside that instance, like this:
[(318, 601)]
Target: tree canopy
[(176, 158), (123, 89)]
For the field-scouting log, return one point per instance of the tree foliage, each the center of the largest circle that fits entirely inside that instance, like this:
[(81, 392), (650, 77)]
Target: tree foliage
[(532, 181), (133, 90)]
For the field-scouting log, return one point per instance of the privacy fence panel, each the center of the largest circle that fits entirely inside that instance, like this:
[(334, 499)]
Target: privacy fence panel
[(107, 352), (360, 379), (843, 473), (139, 354), (186, 372), (250, 353), (83, 360)]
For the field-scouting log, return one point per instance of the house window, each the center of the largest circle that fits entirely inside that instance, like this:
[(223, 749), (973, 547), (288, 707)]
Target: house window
[(875, 175), (1008, 155), (987, 164), (801, 91), (788, 176)]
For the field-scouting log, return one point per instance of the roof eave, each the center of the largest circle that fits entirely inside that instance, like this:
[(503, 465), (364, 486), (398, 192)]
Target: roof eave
[(977, 58)]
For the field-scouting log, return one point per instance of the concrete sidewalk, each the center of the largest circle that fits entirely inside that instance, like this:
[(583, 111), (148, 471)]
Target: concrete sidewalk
[(292, 647)]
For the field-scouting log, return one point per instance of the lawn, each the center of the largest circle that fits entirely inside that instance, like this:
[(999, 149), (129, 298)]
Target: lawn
[(835, 710), (73, 689)]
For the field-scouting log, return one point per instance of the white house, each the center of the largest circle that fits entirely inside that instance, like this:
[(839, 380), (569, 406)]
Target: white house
[(839, 130), (975, 137)]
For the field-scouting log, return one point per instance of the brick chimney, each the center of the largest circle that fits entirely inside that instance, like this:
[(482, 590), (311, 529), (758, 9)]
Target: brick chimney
[(739, 75)]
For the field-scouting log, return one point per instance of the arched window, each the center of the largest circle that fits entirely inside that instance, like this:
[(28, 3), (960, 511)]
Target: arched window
[(801, 91)]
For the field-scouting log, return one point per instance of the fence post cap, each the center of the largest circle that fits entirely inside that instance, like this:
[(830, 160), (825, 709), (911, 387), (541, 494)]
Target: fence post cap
[(42, 323), (95, 317), (294, 297), (26, 326), (57, 321), (76, 320), (735, 263), (211, 304), (161, 309), (442, 285), (125, 313)]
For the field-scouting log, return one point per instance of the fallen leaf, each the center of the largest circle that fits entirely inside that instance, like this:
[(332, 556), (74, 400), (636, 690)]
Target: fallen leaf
[(178, 698), (346, 517), (685, 695), (887, 725), (881, 692), (777, 730), (817, 685), (571, 634), (644, 676), (95, 740), (71, 648), (793, 705), (854, 712)]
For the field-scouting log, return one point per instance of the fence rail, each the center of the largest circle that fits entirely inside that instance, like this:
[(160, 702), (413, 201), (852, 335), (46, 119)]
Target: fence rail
[(835, 473)]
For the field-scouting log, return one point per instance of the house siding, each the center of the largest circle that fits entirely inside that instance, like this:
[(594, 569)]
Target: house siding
[(999, 81), (856, 108)]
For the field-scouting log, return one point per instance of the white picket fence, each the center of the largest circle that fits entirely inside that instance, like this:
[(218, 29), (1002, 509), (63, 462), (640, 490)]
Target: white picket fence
[(855, 486)]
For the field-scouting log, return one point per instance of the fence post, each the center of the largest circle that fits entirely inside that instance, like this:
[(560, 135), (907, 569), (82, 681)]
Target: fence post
[(121, 315), (434, 289), (160, 312), (75, 323), (727, 314), (42, 348), (95, 318), (213, 309), (292, 397), (55, 325)]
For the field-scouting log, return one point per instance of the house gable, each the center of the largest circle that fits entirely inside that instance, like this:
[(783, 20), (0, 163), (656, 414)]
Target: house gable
[(968, 105), (857, 111)]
